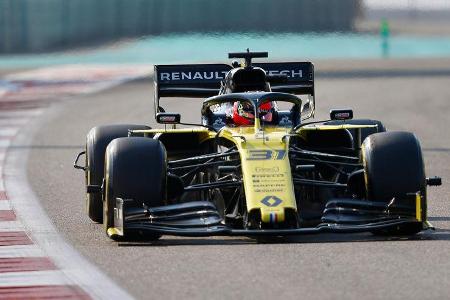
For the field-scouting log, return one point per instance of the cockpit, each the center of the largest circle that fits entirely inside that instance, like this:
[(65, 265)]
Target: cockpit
[(241, 109)]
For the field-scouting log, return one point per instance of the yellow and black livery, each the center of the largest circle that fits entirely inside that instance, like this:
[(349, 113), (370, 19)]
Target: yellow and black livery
[(286, 176)]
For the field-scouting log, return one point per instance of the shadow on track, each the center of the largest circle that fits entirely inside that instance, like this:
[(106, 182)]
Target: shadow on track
[(439, 219), (436, 150), (430, 235)]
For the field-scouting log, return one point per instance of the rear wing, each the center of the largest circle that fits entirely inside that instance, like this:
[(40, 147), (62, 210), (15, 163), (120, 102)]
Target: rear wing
[(204, 80)]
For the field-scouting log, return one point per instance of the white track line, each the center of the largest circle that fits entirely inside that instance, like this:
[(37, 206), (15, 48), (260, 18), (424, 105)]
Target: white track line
[(20, 114), (21, 251), (33, 278), (2, 186), (29, 211), (8, 131), (74, 269), (13, 121), (4, 143), (11, 226), (5, 205)]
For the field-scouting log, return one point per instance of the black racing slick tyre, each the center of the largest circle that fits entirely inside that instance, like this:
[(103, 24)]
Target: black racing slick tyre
[(365, 132), (136, 169), (97, 140), (394, 166)]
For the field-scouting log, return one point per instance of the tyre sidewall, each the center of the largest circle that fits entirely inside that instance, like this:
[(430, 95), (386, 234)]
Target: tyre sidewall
[(135, 169), (97, 140), (394, 166)]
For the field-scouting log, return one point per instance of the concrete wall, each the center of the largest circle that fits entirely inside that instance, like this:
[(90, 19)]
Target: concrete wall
[(40, 25)]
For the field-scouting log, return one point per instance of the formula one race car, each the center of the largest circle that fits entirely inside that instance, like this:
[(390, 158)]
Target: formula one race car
[(253, 167)]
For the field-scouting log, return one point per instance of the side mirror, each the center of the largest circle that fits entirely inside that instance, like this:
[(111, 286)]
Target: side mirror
[(341, 114), (168, 118)]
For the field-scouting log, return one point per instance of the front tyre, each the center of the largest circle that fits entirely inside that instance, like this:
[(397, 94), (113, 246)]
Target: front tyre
[(135, 168), (97, 140), (393, 166)]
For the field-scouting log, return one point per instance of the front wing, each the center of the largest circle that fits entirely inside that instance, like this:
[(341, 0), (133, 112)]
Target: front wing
[(201, 218)]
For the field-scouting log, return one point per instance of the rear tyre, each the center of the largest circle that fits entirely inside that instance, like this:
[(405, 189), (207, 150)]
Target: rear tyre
[(97, 140), (135, 168), (393, 166)]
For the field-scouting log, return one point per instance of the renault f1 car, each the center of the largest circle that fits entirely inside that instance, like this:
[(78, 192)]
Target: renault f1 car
[(274, 176)]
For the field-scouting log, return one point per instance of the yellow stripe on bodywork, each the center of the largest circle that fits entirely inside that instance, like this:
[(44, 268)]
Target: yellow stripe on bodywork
[(427, 225), (418, 207), (172, 130), (333, 127), (113, 232)]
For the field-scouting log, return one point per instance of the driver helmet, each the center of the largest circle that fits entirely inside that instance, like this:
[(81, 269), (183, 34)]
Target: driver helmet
[(243, 113)]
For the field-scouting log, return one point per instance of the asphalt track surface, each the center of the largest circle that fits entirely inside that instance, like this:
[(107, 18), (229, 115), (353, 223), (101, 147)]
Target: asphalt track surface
[(317, 267)]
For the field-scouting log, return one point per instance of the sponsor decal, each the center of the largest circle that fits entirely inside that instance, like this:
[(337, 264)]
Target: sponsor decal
[(343, 115), (271, 201), (267, 169), (218, 122), (168, 119), (269, 182), (285, 121), (219, 75), (266, 154), (179, 76), (288, 73)]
